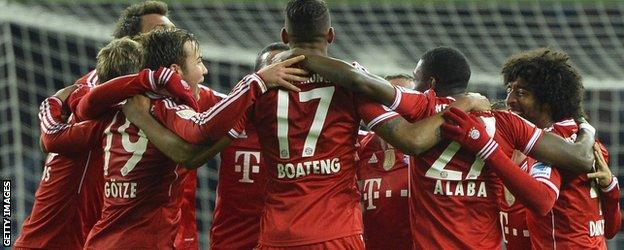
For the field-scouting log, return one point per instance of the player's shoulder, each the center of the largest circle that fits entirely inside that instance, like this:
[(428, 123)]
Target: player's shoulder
[(90, 79), (506, 117)]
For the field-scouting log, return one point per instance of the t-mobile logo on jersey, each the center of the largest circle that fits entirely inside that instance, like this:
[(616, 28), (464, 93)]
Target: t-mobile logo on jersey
[(247, 166), (371, 187)]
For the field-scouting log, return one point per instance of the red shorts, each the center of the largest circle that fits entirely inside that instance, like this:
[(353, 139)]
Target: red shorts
[(354, 242)]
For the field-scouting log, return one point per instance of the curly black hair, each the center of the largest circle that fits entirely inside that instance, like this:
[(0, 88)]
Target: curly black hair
[(129, 23), (549, 75)]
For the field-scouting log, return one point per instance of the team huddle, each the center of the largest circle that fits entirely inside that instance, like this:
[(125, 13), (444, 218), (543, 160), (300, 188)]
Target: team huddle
[(317, 153)]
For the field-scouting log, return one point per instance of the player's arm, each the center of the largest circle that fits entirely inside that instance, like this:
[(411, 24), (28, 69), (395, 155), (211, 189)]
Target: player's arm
[(610, 188), (537, 194), (188, 155), (57, 136), (417, 137), (577, 157), (214, 123), (102, 97)]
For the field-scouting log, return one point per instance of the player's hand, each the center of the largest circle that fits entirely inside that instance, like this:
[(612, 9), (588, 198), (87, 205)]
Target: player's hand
[(281, 74), (63, 93), (167, 81), (136, 108), (468, 131), (603, 174), (472, 102), (583, 124)]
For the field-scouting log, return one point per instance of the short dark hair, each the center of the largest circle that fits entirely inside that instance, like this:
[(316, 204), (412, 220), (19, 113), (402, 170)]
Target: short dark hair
[(120, 57), (165, 46), (307, 20), (271, 47), (129, 23), (449, 67), (549, 75)]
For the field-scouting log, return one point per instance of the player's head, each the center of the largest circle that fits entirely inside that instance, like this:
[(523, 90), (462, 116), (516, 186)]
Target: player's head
[(266, 55), (177, 49), (307, 22), (402, 80), (542, 84), (142, 17), (444, 70), (120, 57)]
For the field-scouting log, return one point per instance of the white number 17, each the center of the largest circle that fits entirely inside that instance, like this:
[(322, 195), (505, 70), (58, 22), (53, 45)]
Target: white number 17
[(325, 95)]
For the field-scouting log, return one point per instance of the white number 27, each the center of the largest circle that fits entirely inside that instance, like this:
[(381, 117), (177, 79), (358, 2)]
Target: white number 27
[(325, 95), (437, 171)]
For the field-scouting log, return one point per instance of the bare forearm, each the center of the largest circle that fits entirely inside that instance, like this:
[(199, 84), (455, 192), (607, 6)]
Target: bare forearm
[(348, 76), (166, 141), (575, 157), (206, 153), (412, 138)]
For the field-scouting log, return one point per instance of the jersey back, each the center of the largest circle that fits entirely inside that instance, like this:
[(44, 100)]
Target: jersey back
[(576, 219), (453, 195), (240, 194), (383, 175), (308, 146), (142, 192)]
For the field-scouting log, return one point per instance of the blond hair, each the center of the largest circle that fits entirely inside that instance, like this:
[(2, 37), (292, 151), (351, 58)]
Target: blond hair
[(120, 57)]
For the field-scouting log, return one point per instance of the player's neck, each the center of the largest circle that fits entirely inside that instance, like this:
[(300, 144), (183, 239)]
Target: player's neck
[(543, 121), (316, 48)]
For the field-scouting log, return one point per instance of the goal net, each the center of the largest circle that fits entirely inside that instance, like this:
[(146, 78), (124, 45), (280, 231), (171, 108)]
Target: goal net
[(46, 45)]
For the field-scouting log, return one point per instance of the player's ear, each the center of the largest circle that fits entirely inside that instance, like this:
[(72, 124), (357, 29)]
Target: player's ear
[(432, 82), (176, 68), (330, 35), (284, 36)]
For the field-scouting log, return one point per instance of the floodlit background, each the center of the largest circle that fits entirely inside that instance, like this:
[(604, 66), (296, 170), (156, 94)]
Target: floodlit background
[(45, 45)]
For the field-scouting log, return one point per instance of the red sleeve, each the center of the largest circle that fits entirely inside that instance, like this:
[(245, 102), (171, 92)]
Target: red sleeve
[(538, 191), (412, 104), (373, 113), (213, 124), (74, 98), (611, 208), (104, 96), (611, 203), (89, 80), (521, 133), (67, 139)]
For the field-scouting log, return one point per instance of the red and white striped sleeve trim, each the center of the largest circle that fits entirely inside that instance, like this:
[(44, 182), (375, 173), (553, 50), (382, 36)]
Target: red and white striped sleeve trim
[(397, 98), (48, 124), (92, 80), (549, 184), (488, 149), (239, 90), (534, 138), (381, 118), (614, 184)]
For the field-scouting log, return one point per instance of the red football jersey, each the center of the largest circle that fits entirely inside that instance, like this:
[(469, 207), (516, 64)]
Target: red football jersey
[(240, 194), (576, 220), (68, 201), (89, 80), (187, 237), (453, 195), (383, 174), (308, 146), (513, 216), (143, 190)]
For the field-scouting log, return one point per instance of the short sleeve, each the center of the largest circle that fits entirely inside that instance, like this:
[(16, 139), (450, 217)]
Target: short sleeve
[(545, 173), (373, 113), (413, 105), (522, 133)]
